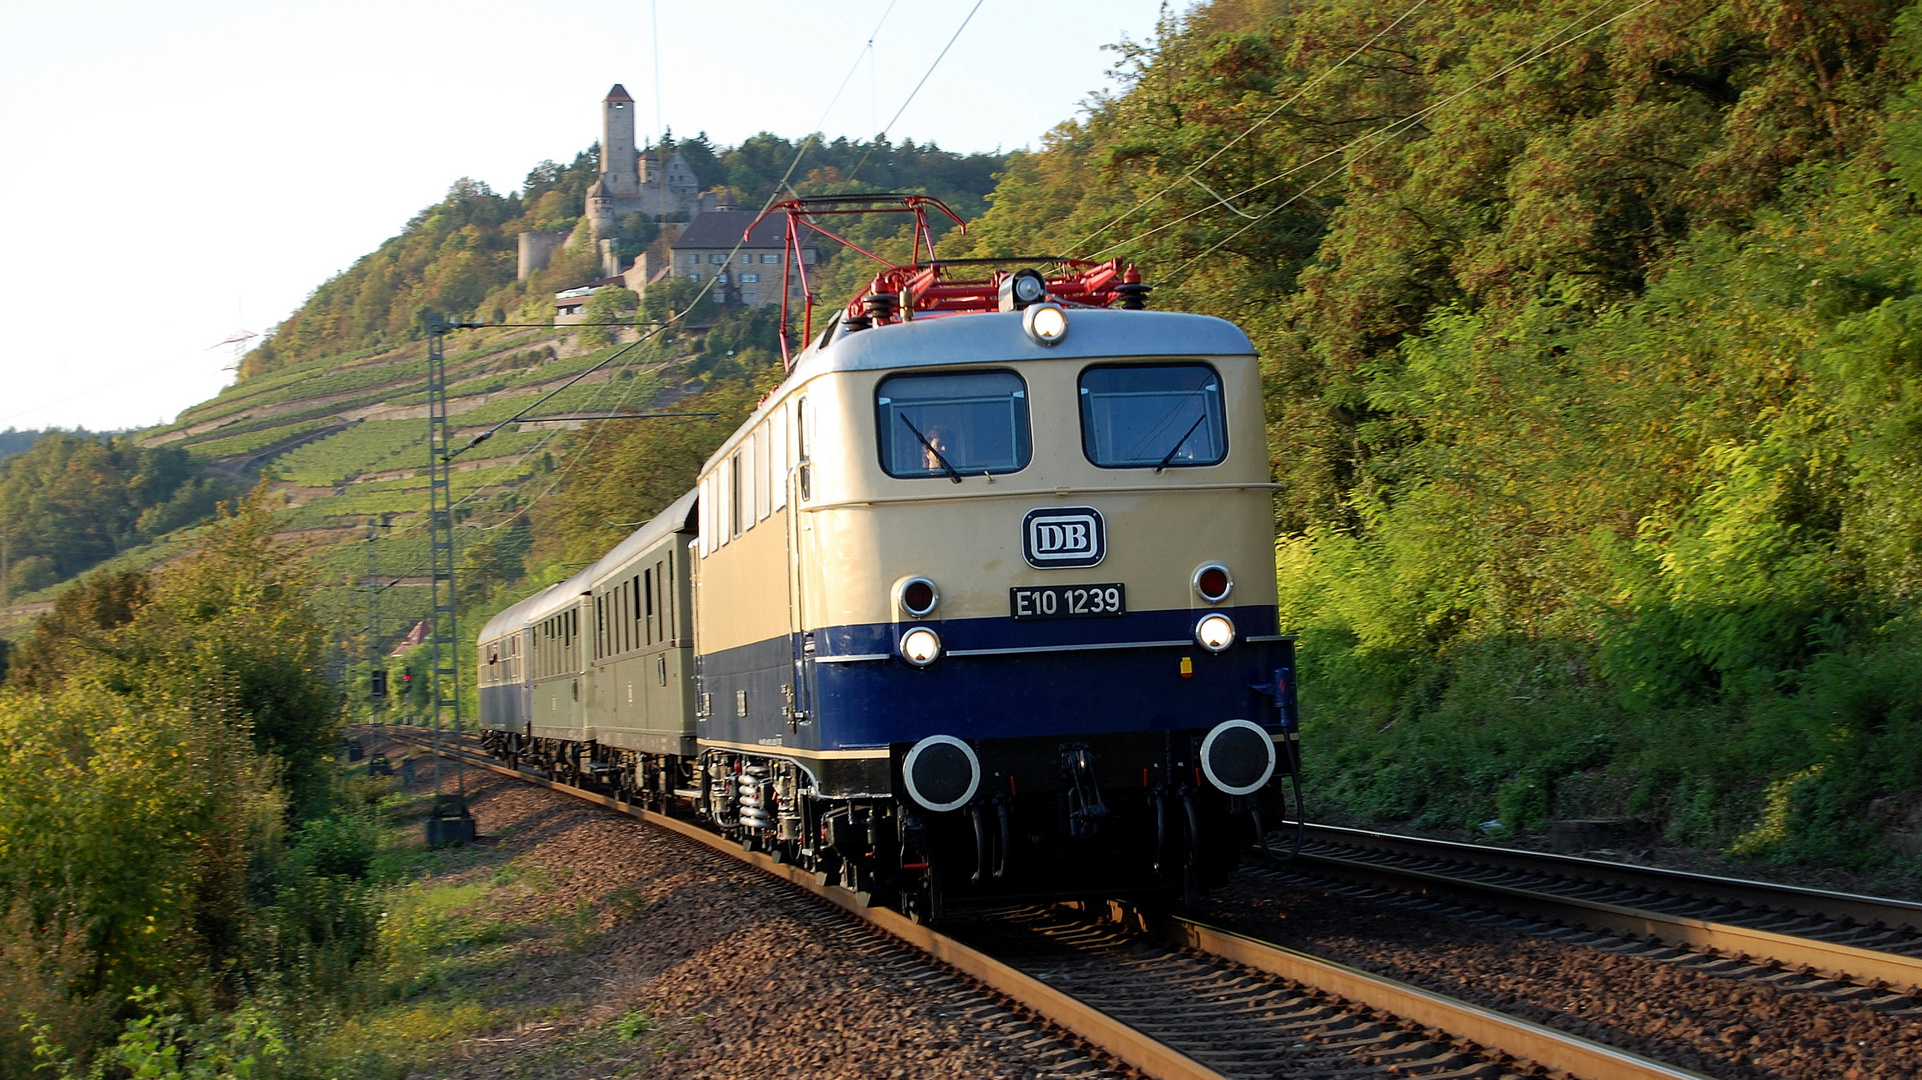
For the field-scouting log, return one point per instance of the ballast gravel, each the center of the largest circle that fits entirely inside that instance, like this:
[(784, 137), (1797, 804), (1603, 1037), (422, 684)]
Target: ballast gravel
[(1733, 1028), (639, 953)]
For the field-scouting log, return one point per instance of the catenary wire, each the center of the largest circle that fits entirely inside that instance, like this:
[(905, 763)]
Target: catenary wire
[(1352, 143), (1536, 52), (674, 317), (1252, 128), (917, 89)]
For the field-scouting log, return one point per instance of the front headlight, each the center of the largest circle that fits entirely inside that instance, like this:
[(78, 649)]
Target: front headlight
[(920, 646), (1215, 632)]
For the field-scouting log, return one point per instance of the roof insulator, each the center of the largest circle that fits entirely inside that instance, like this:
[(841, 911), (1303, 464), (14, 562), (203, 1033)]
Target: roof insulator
[(1134, 295)]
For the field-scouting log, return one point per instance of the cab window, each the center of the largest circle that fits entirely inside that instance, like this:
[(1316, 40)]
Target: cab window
[(953, 425), (1152, 416)]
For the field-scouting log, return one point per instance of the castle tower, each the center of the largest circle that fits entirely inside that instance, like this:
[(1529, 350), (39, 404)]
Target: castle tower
[(620, 166)]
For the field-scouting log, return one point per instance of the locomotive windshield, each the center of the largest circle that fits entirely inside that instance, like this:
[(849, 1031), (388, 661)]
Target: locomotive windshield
[(953, 425), (1152, 416)]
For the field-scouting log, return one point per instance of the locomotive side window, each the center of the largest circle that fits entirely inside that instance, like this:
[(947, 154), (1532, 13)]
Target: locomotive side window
[(705, 500), (953, 425), (1152, 416), (761, 440), (804, 468), (777, 457), (735, 520)]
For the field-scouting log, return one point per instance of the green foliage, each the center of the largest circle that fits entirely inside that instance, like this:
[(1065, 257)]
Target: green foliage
[(459, 256), (167, 1046), (633, 1024), (72, 501), (369, 446), (607, 307), (631, 471), (153, 740), (449, 258), (14, 441)]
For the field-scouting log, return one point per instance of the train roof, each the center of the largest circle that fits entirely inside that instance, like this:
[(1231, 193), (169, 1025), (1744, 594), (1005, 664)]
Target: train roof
[(560, 594), (997, 338), (662, 525), (514, 616)]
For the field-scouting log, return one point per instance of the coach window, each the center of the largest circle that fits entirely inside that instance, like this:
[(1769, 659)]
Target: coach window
[(953, 425), (1153, 416)]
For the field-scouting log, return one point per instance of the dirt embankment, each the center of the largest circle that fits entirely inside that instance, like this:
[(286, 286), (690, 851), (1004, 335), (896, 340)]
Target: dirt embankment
[(734, 974)]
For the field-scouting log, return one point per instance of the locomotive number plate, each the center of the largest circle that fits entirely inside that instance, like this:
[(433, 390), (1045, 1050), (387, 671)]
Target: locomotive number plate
[(1067, 601)]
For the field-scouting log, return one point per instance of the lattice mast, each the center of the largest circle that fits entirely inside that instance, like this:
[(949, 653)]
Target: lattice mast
[(376, 684), (444, 683)]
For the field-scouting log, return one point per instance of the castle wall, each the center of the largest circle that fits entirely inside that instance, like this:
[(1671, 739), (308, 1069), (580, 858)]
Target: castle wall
[(536, 251)]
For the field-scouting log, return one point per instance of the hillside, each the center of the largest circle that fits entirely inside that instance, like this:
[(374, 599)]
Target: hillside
[(331, 410), (458, 256), (1590, 351)]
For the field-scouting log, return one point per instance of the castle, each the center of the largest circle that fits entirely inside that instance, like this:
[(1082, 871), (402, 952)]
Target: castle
[(631, 182), (703, 237), (634, 183)]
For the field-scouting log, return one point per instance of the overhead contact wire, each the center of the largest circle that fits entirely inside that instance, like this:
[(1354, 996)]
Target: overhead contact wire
[(917, 89), (800, 152), (1252, 128), (1537, 52)]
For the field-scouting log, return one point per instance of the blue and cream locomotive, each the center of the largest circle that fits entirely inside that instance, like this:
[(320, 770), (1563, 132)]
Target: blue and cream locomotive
[(979, 603)]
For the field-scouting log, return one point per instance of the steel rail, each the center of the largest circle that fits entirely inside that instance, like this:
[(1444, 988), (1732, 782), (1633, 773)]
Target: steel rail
[(1125, 1043), (1556, 1051), (1844, 962), (1869, 910), (1521, 1039), (1848, 963)]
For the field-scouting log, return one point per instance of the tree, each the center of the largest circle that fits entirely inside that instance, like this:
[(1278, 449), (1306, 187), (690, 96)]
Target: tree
[(610, 305)]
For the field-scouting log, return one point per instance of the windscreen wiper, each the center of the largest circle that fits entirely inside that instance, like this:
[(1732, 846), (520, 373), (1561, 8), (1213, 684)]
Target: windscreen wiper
[(1176, 448), (938, 455)]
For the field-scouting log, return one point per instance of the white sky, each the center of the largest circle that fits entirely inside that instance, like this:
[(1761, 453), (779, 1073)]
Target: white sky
[(181, 170)]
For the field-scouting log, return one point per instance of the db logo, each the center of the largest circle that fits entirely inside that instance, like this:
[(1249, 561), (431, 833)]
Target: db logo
[(1064, 536)]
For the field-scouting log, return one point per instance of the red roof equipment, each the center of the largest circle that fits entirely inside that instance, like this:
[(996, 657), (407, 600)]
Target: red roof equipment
[(934, 286)]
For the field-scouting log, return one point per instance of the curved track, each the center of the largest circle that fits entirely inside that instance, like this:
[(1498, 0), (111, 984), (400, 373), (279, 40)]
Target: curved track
[(1866, 940), (1180, 1000)]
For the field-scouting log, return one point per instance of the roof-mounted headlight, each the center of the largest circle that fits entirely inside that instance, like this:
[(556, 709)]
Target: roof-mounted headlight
[(1021, 288), (1047, 324)]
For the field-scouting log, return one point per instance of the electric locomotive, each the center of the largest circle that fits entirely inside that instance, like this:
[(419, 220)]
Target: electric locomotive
[(978, 604)]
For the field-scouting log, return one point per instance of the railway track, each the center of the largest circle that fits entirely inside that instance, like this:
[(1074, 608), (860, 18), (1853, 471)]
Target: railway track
[(1178, 999), (1871, 942)]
